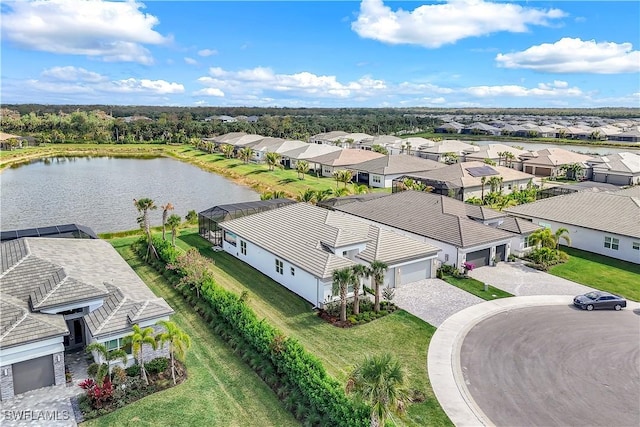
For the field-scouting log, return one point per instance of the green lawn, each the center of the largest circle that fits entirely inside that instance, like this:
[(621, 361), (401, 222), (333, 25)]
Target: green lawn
[(476, 288), (600, 272), (401, 333), (220, 389)]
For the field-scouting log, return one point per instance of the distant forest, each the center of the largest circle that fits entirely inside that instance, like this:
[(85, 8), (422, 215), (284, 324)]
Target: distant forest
[(130, 124)]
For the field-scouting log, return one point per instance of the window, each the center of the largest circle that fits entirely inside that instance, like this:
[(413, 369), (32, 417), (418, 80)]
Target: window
[(344, 253), (293, 271), (230, 238), (611, 243), (376, 179), (636, 246), (279, 266), (117, 344), (243, 247)]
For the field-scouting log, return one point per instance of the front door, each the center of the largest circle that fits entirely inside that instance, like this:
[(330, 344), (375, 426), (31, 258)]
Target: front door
[(75, 338)]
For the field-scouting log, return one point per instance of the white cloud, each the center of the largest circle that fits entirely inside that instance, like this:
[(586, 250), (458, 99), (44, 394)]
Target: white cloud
[(72, 74), (435, 25), (570, 55), (190, 61), (157, 87), (210, 91), (207, 52), (112, 31), (548, 90)]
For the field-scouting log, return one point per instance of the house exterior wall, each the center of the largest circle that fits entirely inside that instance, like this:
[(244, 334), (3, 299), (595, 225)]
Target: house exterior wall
[(58, 368), (593, 241), (519, 245), (300, 282), (6, 382), (615, 178)]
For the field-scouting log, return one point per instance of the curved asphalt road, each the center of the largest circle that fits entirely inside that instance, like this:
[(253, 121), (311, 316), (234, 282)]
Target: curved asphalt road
[(555, 366)]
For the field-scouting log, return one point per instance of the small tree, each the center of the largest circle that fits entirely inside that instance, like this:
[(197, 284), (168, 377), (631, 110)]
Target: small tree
[(341, 280), (165, 213), (137, 339), (174, 222), (179, 343), (358, 272), (194, 269), (104, 369), (143, 206), (273, 160), (227, 150), (192, 217), (377, 270), (302, 167)]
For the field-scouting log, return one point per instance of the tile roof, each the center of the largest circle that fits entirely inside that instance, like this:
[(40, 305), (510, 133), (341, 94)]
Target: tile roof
[(18, 325), (298, 232), (458, 174), (434, 216), (554, 157), (518, 225), (345, 157), (617, 212), (309, 151), (618, 162), (491, 151), (398, 164)]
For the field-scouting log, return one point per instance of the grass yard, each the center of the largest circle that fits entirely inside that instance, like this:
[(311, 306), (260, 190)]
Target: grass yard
[(220, 390), (339, 350), (600, 272), (476, 288)]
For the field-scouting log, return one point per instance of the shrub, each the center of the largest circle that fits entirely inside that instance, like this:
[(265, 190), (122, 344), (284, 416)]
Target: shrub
[(133, 371), (92, 369), (157, 365)]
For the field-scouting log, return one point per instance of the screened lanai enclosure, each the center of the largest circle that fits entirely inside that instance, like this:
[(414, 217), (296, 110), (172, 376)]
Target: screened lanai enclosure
[(209, 219), (413, 182)]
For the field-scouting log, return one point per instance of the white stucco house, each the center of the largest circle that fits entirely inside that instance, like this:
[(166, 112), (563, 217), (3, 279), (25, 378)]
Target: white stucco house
[(606, 223), (59, 294), (300, 246), (618, 168)]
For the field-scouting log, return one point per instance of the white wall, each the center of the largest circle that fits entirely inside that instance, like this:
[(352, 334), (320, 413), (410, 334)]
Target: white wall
[(302, 283), (593, 241), (11, 355)]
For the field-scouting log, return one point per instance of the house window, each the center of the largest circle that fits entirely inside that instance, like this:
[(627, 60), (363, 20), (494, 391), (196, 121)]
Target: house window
[(611, 243), (376, 179), (327, 170), (279, 266), (636, 246), (230, 238), (243, 247), (118, 343), (293, 271)]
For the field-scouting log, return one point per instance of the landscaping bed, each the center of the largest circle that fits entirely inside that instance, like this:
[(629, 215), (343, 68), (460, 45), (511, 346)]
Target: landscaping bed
[(331, 313)]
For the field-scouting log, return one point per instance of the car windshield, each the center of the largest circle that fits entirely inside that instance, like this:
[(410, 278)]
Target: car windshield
[(591, 295)]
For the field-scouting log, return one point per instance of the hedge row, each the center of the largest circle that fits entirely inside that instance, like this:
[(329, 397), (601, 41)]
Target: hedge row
[(297, 377)]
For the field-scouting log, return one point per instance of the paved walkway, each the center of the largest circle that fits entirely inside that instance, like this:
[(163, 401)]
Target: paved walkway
[(520, 280), (47, 407), (433, 300), (443, 360)]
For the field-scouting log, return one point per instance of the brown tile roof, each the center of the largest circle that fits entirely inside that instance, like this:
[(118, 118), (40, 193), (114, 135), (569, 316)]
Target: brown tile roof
[(458, 174)]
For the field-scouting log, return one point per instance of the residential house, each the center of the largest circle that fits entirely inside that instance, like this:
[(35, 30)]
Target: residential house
[(550, 161), (291, 158), (274, 145), (59, 295), (300, 246), (346, 158), (464, 232), (631, 136), (493, 153), (393, 144), (381, 172), (480, 129), (328, 138), (437, 151), (600, 222), (451, 127), (472, 179), (618, 169)]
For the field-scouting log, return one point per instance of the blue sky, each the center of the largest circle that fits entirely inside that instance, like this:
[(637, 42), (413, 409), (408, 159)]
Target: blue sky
[(372, 53)]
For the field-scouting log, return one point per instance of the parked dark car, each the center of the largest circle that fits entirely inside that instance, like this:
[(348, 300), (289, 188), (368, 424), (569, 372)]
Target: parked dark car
[(599, 300)]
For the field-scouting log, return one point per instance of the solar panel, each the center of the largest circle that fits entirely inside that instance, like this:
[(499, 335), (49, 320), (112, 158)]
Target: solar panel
[(482, 171)]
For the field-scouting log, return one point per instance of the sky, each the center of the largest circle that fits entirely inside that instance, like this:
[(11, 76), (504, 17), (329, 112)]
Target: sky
[(369, 53)]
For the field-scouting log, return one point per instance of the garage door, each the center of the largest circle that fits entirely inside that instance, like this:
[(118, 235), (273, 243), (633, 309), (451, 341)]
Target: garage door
[(414, 272), (33, 374), (479, 258), (501, 252)]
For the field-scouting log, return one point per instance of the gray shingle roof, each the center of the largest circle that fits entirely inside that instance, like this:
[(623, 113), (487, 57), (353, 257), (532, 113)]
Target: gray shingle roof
[(458, 174), (18, 325), (518, 225), (617, 212), (436, 217), (398, 164), (297, 232)]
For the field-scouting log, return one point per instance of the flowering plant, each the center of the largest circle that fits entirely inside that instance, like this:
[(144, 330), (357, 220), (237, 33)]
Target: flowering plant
[(468, 266)]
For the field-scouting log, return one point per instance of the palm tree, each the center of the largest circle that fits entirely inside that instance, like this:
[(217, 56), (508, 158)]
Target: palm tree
[(379, 381), (339, 192), (543, 237), (495, 182), (360, 189), (483, 181), (562, 233), (273, 160), (345, 176), (358, 272), (307, 196), (143, 206), (501, 154), (509, 157), (450, 158), (341, 280), (302, 167), (174, 222), (108, 357), (165, 212), (322, 195), (137, 339), (377, 270), (178, 341), (245, 154), (227, 150), (573, 170)]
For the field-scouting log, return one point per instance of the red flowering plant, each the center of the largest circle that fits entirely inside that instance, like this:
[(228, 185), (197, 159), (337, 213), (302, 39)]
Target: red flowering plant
[(98, 394), (468, 266)]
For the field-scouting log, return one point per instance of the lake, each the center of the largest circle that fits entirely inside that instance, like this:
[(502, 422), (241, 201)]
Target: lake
[(98, 191), (532, 146)]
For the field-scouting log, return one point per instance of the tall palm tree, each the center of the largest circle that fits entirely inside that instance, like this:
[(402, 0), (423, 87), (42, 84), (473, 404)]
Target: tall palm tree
[(179, 343), (227, 150), (345, 176), (358, 272), (543, 237), (174, 222), (483, 181), (302, 167), (509, 157), (380, 382), (273, 160), (307, 196), (108, 356), (143, 206), (138, 338), (377, 270), (562, 233), (341, 280), (165, 213)]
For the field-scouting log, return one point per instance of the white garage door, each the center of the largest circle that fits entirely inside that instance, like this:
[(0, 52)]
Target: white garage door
[(413, 272)]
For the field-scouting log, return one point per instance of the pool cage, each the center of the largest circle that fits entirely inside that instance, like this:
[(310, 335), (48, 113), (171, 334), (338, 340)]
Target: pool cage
[(444, 188), (73, 231), (209, 219)]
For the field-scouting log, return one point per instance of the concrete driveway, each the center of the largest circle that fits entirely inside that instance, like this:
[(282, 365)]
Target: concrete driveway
[(520, 280), (433, 300)]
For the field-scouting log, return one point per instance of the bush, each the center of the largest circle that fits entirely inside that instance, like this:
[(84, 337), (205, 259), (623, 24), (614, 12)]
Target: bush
[(92, 369), (157, 365), (133, 371)]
